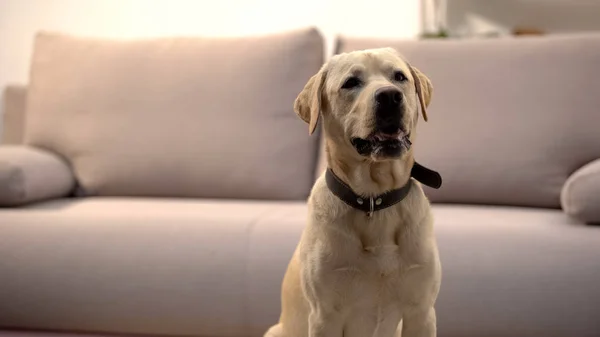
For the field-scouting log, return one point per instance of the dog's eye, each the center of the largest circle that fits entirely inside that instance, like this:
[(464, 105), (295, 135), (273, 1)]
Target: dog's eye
[(399, 76), (351, 82)]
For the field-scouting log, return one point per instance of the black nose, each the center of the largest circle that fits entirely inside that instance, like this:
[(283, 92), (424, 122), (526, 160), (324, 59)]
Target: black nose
[(388, 110), (388, 97)]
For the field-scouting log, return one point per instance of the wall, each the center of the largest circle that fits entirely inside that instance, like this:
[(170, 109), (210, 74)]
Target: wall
[(20, 19)]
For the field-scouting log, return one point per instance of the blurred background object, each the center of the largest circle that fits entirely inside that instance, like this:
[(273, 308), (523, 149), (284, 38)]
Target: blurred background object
[(434, 14), (493, 18)]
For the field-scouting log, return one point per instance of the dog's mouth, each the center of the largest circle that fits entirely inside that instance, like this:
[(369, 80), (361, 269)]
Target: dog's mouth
[(382, 144)]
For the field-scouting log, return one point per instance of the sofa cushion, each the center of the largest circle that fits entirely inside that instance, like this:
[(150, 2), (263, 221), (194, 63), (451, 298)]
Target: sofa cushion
[(214, 268), (510, 118), (580, 197), (512, 271), (147, 266), (185, 117), (28, 174)]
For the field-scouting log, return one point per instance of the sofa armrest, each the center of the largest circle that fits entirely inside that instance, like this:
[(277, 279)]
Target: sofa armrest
[(29, 174), (13, 118), (580, 196)]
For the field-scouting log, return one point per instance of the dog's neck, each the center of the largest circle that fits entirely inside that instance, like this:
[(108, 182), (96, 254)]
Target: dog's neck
[(366, 177)]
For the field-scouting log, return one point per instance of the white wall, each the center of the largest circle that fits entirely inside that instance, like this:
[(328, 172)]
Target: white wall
[(20, 19)]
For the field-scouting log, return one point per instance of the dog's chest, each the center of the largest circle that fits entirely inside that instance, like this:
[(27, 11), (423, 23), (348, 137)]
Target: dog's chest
[(374, 259), (376, 254)]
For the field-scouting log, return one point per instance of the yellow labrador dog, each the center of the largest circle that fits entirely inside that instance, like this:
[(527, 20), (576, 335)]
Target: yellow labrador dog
[(367, 264)]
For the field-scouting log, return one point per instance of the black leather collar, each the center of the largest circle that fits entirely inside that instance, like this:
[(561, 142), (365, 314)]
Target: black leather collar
[(426, 176), (372, 204)]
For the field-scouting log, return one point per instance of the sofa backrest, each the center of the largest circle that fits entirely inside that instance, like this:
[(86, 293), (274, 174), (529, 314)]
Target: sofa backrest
[(510, 118), (177, 117)]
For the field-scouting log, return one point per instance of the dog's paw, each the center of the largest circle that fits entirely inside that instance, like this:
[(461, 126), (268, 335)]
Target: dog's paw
[(275, 331)]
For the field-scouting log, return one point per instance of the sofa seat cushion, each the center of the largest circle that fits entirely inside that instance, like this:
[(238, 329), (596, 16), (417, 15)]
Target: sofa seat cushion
[(177, 117), (144, 266), (510, 119), (516, 272), (214, 268)]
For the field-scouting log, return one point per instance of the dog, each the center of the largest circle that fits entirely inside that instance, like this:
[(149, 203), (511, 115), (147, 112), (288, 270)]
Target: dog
[(367, 263)]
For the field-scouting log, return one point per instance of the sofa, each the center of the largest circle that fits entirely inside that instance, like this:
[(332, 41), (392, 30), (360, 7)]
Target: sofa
[(158, 187)]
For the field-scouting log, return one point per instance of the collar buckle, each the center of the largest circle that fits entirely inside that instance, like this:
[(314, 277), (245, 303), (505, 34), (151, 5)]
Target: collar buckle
[(371, 207)]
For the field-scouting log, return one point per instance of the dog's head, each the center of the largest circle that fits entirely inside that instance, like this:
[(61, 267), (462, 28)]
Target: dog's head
[(369, 101)]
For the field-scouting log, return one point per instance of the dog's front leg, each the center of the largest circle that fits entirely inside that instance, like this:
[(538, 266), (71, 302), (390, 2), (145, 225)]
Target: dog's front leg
[(419, 322), (322, 324), (323, 319)]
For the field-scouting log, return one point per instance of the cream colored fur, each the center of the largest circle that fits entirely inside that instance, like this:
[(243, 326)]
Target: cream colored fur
[(351, 275)]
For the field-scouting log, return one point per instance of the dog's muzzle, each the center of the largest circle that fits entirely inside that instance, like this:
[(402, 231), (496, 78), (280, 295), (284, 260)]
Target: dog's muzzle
[(383, 145), (390, 138)]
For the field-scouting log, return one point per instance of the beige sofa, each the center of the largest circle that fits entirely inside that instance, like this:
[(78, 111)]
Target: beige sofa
[(157, 187)]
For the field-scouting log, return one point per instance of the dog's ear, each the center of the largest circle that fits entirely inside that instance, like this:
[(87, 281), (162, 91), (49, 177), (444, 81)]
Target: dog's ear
[(308, 103), (424, 89)]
